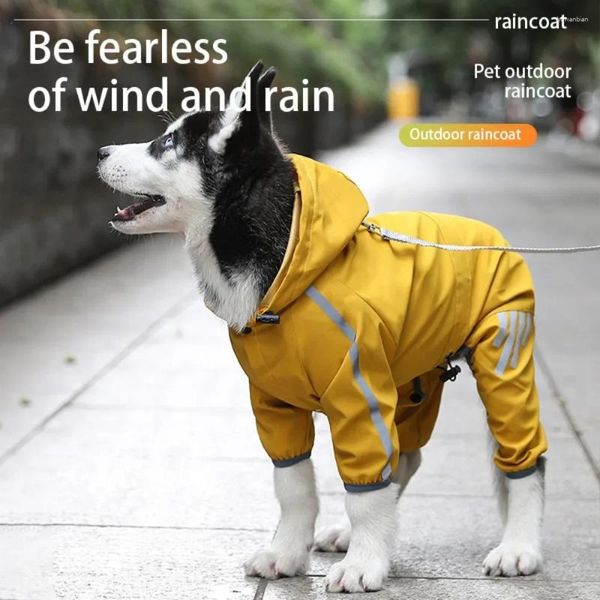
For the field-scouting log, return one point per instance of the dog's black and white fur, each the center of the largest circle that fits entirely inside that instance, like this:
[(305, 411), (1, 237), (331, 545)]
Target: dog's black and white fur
[(222, 179)]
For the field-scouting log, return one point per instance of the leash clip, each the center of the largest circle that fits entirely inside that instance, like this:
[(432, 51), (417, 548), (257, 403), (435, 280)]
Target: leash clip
[(377, 230), (372, 227)]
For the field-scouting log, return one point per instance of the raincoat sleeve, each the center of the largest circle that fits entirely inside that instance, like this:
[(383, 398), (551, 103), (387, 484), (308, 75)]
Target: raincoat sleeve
[(286, 432), (360, 403)]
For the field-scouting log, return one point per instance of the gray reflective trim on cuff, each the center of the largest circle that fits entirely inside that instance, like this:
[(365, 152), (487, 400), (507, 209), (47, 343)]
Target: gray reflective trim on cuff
[(288, 462), (521, 474), (366, 487)]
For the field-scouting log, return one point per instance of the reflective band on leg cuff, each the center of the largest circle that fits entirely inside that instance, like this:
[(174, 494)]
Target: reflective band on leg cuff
[(521, 474), (367, 487), (289, 462)]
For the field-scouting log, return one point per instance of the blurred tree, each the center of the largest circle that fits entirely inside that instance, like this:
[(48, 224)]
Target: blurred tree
[(301, 37)]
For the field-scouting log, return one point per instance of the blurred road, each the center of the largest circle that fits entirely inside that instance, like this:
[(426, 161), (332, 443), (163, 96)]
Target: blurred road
[(129, 464)]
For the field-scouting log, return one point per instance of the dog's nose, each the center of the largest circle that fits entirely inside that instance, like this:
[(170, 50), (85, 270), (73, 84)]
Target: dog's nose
[(103, 153)]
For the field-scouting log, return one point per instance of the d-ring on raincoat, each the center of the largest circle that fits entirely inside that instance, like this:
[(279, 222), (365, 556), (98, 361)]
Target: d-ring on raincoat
[(357, 327)]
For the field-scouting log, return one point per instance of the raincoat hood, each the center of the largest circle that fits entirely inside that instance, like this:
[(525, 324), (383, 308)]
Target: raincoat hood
[(330, 211)]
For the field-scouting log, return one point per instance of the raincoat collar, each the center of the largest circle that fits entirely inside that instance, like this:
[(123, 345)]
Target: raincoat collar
[(329, 209)]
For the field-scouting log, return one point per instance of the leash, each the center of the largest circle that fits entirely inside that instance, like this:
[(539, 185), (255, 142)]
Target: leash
[(395, 236), (450, 371)]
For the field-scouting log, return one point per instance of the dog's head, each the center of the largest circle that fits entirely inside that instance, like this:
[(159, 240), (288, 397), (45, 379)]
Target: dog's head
[(175, 176)]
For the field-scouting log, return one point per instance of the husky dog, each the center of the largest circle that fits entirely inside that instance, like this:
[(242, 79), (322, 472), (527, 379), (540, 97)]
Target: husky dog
[(223, 181)]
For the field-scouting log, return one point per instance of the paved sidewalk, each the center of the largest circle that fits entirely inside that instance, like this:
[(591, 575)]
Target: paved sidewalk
[(129, 464)]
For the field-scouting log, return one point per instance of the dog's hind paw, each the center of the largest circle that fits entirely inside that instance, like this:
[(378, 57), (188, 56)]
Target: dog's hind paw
[(332, 539), (271, 564), (353, 576), (512, 559)]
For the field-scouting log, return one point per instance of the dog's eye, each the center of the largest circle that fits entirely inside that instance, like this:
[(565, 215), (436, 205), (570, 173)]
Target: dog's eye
[(167, 142)]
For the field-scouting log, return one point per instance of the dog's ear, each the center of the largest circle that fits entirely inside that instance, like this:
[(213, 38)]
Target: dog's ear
[(264, 82), (238, 128)]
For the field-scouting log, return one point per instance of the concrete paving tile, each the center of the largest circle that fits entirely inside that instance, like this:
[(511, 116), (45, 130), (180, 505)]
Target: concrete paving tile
[(90, 563), (313, 588), (461, 466), (450, 537), (90, 315), (152, 433), (151, 387), (187, 362), (574, 366), (568, 326), (183, 468)]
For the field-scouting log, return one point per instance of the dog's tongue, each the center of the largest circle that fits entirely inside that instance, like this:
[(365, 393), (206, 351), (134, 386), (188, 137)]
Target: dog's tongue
[(124, 214)]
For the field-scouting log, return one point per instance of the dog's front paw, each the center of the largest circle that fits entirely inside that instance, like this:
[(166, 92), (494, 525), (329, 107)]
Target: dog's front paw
[(512, 559), (272, 564), (335, 538), (351, 575)]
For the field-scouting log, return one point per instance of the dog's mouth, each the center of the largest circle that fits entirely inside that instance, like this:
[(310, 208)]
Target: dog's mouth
[(129, 213)]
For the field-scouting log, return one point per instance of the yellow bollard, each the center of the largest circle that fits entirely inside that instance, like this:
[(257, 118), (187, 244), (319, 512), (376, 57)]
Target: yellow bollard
[(403, 100)]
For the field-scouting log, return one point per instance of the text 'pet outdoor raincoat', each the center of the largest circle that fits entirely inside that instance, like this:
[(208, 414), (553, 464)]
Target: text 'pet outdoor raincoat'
[(357, 327)]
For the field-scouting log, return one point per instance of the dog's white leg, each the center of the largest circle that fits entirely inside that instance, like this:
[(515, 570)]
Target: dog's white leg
[(333, 538), (408, 464), (499, 480), (519, 552), (289, 552), (373, 524), (336, 538)]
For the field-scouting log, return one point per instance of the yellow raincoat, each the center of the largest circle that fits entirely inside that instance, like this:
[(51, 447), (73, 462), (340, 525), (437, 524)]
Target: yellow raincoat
[(360, 328)]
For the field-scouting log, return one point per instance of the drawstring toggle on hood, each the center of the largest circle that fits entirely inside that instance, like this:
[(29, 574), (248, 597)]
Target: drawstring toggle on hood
[(269, 318)]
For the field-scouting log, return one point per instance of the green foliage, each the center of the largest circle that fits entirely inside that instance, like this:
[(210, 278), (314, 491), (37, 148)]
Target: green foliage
[(350, 56), (346, 55)]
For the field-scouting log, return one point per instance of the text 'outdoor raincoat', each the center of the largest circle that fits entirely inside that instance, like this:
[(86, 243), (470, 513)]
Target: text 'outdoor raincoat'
[(359, 328)]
